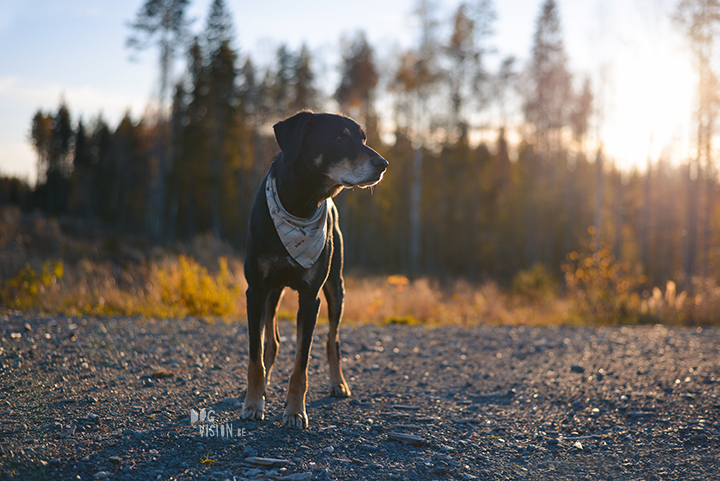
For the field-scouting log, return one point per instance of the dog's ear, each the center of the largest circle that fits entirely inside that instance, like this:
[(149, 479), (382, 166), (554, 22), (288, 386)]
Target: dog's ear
[(289, 134)]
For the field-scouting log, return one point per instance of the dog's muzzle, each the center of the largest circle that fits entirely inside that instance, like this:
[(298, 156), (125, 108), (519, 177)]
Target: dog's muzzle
[(379, 166)]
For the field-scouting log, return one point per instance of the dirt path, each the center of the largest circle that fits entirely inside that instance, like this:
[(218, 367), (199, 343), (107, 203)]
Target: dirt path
[(111, 399)]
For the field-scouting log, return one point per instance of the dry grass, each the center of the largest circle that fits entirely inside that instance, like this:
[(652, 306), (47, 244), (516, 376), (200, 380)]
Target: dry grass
[(178, 286), (42, 270)]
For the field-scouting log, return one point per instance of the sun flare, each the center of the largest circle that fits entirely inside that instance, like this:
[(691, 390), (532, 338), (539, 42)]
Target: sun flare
[(651, 106)]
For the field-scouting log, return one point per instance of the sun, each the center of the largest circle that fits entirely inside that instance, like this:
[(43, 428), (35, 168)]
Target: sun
[(651, 104)]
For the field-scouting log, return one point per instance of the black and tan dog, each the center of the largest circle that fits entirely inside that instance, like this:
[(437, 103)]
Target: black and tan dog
[(294, 240)]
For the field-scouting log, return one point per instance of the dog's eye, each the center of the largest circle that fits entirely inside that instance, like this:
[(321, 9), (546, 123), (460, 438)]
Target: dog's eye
[(339, 138)]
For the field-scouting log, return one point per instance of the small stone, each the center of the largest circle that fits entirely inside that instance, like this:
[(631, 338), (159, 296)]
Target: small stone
[(231, 402), (115, 459), (270, 462), (248, 452), (577, 369), (102, 475), (297, 477), (329, 449)]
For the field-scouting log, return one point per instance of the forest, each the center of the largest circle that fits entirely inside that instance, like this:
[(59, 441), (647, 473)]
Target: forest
[(467, 195)]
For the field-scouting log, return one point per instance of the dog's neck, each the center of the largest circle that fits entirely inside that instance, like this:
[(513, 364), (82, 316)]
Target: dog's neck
[(301, 194)]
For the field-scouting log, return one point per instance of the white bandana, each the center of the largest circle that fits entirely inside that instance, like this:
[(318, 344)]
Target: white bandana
[(304, 239)]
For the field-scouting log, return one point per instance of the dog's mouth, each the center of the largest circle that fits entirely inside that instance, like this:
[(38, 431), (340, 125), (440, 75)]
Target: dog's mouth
[(365, 183)]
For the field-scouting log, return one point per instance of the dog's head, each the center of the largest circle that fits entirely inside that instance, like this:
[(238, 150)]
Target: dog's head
[(331, 145)]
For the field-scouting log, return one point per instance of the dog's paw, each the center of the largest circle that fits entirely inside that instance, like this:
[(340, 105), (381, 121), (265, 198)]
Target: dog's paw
[(253, 411), (340, 390), (295, 420)]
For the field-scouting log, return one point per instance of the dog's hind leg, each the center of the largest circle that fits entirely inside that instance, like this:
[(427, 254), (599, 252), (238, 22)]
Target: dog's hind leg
[(254, 403), (272, 334), (334, 290), (295, 416)]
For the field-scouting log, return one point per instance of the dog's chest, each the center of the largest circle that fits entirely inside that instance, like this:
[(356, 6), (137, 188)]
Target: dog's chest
[(286, 270)]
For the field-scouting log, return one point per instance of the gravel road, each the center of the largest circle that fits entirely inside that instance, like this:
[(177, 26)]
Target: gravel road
[(112, 399)]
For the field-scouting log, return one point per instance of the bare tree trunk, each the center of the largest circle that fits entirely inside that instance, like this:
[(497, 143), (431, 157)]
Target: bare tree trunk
[(691, 221), (707, 227), (620, 219), (597, 221), (415, 198), (645, 219)]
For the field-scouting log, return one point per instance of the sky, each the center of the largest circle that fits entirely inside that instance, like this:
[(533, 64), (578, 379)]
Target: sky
[(75, 50)]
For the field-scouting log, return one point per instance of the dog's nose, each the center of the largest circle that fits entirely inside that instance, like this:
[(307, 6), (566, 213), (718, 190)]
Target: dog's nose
[(379, 163)]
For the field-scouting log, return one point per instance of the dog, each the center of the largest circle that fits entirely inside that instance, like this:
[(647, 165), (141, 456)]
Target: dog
[(294, 241)]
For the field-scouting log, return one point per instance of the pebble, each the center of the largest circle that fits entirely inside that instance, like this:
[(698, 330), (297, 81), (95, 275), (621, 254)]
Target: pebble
[(268, 461), (329, 449), (297, 477), (248, 452)]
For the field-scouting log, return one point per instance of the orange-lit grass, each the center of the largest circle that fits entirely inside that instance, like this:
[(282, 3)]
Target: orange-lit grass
[(179, 286)]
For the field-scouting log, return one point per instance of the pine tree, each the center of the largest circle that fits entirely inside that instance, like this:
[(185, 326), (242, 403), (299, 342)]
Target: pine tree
[(358, 79), (83, 171), (166, 22), (219, 27), (549, 90), (305, 94), (41, 138)]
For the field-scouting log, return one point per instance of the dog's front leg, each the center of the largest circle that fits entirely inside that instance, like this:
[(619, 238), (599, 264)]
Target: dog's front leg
[(254, 403), (295, 416), (272, 334)]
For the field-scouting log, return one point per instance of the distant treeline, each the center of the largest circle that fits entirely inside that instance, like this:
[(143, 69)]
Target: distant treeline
[(447, 207)]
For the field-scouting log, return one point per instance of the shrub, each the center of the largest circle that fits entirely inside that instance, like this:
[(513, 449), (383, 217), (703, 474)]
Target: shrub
[(535, 284), (23, 289), (604, 289), (188, 289)]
